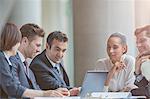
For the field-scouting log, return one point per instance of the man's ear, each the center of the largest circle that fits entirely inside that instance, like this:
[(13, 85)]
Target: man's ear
[(125, 47), (47, 46), (24, 40)]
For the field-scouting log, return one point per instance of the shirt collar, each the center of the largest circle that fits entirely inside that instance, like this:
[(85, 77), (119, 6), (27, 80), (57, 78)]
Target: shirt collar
[(53, 64), (21, 56), (7, 57)]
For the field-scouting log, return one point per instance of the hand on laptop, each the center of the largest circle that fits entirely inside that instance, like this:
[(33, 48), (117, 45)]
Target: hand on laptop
[(53, 93), (64, 91), (75, 91)]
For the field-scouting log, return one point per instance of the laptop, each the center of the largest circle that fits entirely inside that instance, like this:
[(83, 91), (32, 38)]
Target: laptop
[(93, 82)]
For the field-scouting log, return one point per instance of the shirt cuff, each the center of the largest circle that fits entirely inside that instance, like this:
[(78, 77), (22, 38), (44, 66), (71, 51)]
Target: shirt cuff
[(106, 88), (139, 77)]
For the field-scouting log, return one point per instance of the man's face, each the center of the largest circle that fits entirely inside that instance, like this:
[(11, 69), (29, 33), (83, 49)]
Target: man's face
[(33, 47), (115, 49), (56, 51), (142, 42)]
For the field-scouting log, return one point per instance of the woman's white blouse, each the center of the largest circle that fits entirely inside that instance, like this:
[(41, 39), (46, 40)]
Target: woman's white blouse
[(124, 78)]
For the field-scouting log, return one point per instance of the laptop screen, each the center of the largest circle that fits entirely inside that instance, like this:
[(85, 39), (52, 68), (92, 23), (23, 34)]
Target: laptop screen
[(93, 82)]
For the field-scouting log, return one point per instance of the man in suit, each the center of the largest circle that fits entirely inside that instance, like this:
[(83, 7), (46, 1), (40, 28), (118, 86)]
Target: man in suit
[(14, 82), (143, 44), (48, 66), (30, 46)]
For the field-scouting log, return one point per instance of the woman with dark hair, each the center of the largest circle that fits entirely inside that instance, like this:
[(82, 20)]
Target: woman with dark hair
[(119, 65)]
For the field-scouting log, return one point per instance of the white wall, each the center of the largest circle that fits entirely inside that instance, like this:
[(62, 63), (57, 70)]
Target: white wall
[(26, 11), (5, 8), (142, 12)]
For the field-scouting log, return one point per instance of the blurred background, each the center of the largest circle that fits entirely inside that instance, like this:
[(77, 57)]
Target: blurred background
[(87, 23)]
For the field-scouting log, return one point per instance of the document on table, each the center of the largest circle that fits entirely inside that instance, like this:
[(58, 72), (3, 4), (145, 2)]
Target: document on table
[(111, 94)]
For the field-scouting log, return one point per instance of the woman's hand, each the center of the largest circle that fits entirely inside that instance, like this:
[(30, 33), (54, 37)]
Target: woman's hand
[(118, 66)]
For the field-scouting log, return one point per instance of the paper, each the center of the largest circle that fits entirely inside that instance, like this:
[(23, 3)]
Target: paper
[(111, 94)]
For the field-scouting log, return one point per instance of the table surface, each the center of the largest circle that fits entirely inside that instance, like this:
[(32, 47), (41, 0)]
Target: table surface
[(99, 95), (132, 97)]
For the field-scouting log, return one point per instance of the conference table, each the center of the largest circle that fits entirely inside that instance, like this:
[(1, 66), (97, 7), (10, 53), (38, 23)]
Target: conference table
[(99, 95), (132, 97)]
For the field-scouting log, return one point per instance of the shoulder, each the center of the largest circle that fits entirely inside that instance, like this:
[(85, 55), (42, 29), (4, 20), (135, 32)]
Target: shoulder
[(2, 55), (2, 59), (102, 60), (39, 57), (102, 63), (129, 58), (129, 62), (39, 61)]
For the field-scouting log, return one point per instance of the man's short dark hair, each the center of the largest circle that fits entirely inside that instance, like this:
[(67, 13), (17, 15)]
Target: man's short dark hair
[(31, 30), (142, 29), (58, 36)]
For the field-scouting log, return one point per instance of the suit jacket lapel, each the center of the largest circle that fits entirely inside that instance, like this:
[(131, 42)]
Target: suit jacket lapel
[(58, 76), (55, 73), (31, 83), (65, 76), (18, 58), (51, 69)]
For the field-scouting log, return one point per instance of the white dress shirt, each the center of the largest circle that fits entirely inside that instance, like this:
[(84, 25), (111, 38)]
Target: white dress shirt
[(7, 58), (124, 78), (53, 64), (57, 65), (21, 56), (23, 60)]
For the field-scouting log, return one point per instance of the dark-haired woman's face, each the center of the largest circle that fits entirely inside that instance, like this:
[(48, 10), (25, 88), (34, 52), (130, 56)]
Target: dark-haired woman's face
[(115, 49)]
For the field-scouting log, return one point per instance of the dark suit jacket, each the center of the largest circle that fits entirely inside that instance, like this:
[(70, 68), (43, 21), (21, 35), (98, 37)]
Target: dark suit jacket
[(14, 80), (10, 86), (46, 76), (143, 90)]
